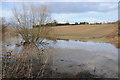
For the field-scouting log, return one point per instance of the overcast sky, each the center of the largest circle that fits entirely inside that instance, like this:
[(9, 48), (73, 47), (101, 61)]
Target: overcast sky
[(73, 11)]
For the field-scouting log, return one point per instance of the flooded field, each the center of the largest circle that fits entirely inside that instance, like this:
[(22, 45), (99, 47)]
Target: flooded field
[(70, 55), (74, 56), (56, 40)]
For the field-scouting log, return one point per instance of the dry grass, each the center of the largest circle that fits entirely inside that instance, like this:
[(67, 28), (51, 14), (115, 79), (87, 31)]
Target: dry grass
[(30, 63), (98, 33), (7, 33), (85, 31)]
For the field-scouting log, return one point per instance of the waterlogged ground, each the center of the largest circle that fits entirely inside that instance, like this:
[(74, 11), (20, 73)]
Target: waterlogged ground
[(74, 56), (101, 57)]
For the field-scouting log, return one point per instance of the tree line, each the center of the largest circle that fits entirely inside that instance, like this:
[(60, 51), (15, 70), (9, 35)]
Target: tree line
[(55, 23)]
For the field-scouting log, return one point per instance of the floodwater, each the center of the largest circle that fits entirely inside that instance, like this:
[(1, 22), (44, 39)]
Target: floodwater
[(70, 56)]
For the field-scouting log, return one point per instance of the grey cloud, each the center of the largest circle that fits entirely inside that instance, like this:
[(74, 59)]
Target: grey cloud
[(80, 7)]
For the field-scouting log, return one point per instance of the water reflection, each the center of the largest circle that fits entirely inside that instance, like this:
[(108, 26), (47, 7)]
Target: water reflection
[(90, 46), (103, 56), (69, 55)]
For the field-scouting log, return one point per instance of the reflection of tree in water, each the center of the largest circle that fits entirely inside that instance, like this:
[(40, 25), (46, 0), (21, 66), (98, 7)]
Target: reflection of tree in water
[(31, 62), (34, 62)]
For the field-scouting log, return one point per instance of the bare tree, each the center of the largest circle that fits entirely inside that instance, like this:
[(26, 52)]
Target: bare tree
[(28, 16), (25, 63)]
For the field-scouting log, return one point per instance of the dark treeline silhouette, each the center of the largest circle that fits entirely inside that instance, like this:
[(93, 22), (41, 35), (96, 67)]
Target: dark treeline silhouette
[(55, 23), (62, 24)]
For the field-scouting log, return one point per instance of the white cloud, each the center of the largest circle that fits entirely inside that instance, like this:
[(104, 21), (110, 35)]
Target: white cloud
[(76, 17), (89, 13), (80, 7), (7, 14), (91, 20), (60, 0), (86, 17), (109, 5), (92, 12)]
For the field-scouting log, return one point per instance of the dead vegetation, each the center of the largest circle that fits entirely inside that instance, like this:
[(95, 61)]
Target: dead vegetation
[(34, 67), (30, 63)]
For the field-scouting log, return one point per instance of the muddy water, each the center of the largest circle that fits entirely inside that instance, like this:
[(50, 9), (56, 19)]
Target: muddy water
[(74, 56)]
